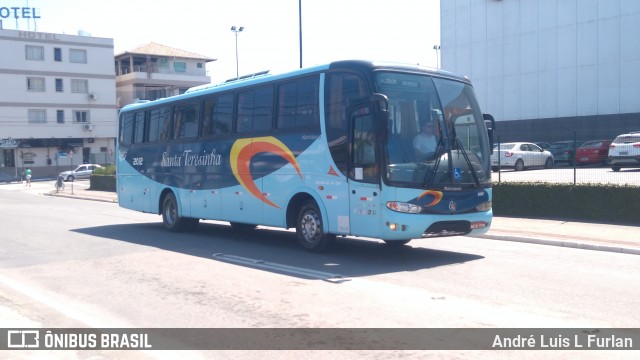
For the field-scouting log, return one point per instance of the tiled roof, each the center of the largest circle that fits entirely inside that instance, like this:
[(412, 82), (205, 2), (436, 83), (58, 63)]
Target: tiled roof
[(163, 50)]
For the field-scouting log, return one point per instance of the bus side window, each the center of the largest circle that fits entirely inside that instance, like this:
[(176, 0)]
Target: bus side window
[(217, 114), (126, 132), (207, 116), (164, 122), (138, 134), (340, 91), (154, 125), (223, 115), (298, 104), (364, 167), (185, 120), (255, 109)]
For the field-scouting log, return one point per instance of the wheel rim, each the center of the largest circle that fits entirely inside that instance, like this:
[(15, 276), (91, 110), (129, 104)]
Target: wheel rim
[(171, 212), (519, 165), (310, 227)]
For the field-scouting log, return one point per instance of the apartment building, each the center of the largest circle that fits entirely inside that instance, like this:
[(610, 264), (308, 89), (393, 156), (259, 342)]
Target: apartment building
[(60, 95), (57, 102), (155, 71)]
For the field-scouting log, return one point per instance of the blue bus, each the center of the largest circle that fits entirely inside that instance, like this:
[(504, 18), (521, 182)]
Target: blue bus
[(328, 150)]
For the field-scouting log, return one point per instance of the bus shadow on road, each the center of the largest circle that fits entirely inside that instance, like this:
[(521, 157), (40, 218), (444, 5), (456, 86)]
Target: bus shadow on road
[(276, 250)]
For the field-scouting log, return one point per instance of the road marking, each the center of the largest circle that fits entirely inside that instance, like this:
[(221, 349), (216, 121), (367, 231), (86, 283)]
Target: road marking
[(83, 317), (281, 268), (67, 310)]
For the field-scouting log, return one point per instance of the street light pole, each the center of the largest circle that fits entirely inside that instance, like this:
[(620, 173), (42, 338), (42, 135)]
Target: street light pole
[(300, 28), (236, 31), (437, 49)]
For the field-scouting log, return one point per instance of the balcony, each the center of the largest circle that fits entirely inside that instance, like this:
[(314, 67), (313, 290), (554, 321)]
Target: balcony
[(152, 76), (154, 69)]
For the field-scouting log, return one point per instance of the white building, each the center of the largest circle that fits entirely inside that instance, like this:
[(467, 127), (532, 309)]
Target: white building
[(60, 95), (154, 71), (57, 102), (548, 66)]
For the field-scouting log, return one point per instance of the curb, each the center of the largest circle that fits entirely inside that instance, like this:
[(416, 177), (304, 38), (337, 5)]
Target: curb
[(562, 243), (81, 197)]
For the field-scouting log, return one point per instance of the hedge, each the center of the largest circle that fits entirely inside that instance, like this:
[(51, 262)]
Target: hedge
[(103, 183), (615, 204)]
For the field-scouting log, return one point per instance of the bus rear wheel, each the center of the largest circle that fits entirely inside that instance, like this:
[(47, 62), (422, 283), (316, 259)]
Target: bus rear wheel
[(170, 217), (309, 230)]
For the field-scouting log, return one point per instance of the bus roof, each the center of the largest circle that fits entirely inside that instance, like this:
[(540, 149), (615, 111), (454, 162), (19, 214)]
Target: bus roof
[(265, 77)]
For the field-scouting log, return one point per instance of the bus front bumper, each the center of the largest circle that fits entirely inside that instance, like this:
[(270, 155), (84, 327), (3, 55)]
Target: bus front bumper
[(428, 226)]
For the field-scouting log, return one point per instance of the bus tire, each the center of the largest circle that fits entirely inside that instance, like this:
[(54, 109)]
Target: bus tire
[(170, 217), (309, 230)]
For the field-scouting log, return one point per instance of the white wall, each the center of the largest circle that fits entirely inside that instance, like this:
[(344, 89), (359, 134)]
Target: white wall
[(533, 59)]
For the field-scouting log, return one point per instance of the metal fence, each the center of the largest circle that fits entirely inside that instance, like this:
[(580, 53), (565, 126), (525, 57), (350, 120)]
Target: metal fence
[(579, 157)]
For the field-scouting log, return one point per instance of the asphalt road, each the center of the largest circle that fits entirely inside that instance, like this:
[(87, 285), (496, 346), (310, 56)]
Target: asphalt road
[(71, 263)]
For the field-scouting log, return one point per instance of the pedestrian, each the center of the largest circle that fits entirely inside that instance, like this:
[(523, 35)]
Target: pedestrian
[(27, 176)]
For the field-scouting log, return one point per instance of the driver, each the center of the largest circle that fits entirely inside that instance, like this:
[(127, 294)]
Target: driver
[(424, 143)]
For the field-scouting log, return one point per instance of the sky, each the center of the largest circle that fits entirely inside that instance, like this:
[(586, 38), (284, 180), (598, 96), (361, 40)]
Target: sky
[(388, 30)]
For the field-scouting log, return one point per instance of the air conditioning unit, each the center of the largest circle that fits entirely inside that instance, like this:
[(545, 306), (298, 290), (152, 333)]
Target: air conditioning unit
[(87, 127), (93, 96)]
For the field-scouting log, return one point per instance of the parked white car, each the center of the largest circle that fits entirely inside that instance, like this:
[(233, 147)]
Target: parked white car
[(624, 151), (520, 156), (83, 171)]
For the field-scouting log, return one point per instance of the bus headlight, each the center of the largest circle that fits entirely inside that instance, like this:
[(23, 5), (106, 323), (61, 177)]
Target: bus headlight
[(485, 206), (404, 207)]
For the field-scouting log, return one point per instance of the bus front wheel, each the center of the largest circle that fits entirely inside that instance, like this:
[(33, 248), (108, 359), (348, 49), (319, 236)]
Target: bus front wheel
[(309, 228), (170, 217)]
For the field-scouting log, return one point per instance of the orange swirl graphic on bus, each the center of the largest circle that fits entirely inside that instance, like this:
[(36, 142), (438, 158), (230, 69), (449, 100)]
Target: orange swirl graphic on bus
[(437, 196), (244, 150)]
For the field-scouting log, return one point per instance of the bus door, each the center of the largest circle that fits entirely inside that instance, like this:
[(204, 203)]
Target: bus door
[(364, 173)]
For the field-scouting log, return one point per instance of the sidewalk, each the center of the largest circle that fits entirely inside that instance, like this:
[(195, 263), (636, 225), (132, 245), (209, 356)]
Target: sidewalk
[(86, 194), (580, 235), (589, 236)]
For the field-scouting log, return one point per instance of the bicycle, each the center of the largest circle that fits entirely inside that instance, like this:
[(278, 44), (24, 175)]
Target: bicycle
[(59, 184)]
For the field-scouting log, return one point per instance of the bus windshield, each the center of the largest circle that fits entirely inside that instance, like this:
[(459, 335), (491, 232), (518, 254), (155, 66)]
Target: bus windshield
[(436, 132)]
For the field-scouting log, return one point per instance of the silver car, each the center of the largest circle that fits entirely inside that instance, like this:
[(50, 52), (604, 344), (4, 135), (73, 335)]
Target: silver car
[(83, 171), (519, 156)]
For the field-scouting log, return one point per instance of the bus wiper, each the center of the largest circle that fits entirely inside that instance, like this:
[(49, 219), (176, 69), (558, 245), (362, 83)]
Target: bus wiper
[(467, 160), (438, 154)]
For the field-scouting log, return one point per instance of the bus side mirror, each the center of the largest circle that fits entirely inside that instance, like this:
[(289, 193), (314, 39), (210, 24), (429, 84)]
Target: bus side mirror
[(380, 103), (490, 122)]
